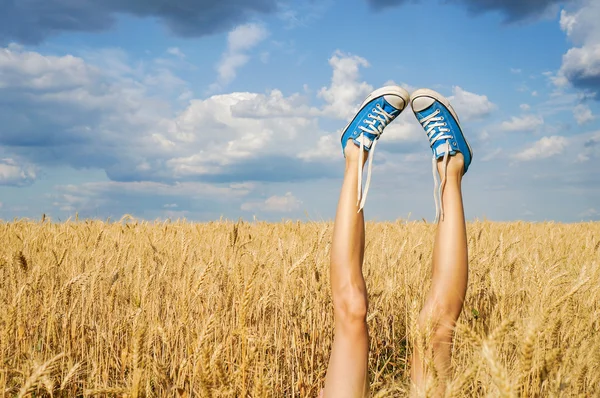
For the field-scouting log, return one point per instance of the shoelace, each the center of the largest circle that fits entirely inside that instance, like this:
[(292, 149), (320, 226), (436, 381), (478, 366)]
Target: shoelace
[(436, 130), (379, 119)]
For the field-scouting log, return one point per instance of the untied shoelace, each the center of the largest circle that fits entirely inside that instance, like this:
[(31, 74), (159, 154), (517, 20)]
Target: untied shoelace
[(436, 130), (376, 122)]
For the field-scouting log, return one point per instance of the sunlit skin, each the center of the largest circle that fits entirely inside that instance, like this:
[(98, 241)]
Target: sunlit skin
[(347, 373), (449, 274)]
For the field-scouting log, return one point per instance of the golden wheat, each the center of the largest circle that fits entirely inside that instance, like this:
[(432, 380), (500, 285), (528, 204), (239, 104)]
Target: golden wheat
[(237, 309)]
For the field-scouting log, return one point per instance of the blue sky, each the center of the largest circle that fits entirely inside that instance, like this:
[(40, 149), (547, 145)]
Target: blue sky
[(196, 109)]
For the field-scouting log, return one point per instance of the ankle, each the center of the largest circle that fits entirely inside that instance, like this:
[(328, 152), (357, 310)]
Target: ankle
[(454, 169), (352, 153)]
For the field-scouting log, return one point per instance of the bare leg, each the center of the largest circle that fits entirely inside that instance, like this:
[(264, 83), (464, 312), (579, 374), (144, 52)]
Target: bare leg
[(347, 374), (449, 280)]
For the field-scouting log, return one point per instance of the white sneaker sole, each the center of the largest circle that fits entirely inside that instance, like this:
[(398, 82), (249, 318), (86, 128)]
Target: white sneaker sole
[(388, 90), (425, 92), (382, 92)]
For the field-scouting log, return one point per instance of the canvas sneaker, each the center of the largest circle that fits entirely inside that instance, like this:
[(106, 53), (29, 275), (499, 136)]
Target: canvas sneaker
[(378, 110), (445, 134)]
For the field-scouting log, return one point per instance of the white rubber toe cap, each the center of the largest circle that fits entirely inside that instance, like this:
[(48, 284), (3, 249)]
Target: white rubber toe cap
[(421, 103)]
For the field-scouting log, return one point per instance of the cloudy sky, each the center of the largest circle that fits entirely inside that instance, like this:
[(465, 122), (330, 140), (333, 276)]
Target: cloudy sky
[(203, 109)]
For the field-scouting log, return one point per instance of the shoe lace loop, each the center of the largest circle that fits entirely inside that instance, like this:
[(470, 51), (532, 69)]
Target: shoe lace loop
[(374, 124)]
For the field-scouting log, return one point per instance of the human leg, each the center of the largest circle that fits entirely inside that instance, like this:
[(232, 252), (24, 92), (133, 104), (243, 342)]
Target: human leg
[(443, 305), (347, 373)]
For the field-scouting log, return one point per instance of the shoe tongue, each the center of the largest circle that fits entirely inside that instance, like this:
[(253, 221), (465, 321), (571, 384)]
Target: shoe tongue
[(439, 149)]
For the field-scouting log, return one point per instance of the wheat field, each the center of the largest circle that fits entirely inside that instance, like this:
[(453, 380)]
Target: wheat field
[(239, 309)]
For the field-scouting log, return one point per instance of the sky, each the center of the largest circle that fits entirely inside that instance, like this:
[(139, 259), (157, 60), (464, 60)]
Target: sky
[(233, 109)]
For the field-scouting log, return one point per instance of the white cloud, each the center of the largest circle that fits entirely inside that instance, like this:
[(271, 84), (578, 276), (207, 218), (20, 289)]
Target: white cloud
[(522, 123), (470, 106), (275, 204), (515, 71), (274, 104), (240, 40), (581, 64), (175, 51), (583, 114), (344, 94), (328, 148), (404, 128), (33, 71), (114, 123), (525, 107), (13, 173), (544, 148), (237, 127), (95, 118), (302, 14)]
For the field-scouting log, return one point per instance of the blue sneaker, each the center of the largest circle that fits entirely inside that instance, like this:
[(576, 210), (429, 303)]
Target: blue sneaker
[(378, 110), (446, 137)]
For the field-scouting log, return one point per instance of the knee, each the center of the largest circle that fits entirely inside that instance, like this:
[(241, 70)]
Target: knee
[(438, 321), (351, 306)]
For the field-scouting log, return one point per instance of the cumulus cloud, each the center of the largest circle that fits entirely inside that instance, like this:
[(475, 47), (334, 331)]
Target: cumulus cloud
[(68, 111), (581, 64), (62, 110), (522, 123), (13, 173), (235, 140), (274, 104), (275, 204), (583, 114), (37, 73), (512, 10), (327, 149), (99, 112), (544, 148), (239, 41), (32, 21), (345, 92), (470, 106)]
